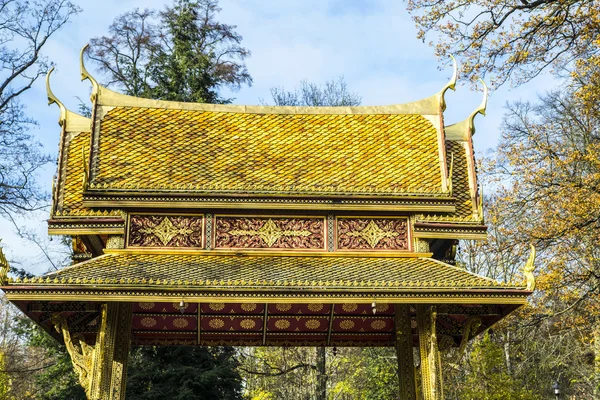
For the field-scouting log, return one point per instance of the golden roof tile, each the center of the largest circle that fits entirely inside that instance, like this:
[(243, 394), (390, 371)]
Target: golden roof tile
[(269, 272), (154, 149), (69, 200)]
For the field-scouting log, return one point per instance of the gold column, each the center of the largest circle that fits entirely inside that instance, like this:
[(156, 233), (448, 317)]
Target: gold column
[(404, 353), (431, 373), (102, 368)]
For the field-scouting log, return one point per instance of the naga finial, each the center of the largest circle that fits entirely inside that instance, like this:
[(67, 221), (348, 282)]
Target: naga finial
[(4, 267), (479, 110), (52, 99), (451, 83), (528, 269), (86, 75)]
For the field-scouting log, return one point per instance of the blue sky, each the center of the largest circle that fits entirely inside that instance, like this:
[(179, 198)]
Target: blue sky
[(372, 43)]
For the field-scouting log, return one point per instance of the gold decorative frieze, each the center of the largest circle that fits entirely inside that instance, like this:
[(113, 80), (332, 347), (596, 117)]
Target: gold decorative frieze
[(182, 231), (276, 233), (372, 233)]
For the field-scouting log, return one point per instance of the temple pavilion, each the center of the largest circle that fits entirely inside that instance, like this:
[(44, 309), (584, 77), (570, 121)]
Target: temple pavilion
[(202, 224)]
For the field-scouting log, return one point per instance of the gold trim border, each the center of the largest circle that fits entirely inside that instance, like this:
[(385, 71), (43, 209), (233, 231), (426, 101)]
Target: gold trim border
[(444, 235), (270, 253), (88, 231), (269, 206), (519, 299)]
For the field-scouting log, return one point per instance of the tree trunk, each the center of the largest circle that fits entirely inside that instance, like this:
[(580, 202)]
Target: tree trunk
[(507, 353), (321, 374)]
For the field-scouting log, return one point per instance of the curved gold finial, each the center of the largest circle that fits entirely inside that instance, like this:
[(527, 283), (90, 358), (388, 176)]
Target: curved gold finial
[(52, 99), (528, 269), (86, 75), (451, 83), (479, 110), (4, 267)]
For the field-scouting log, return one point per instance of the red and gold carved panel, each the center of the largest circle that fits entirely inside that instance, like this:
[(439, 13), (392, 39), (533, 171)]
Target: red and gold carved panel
[(174, 307), (363, 309), (353, 324), (312, 323), (302, 309), (372, 234), (178, 231), (232, 308), (225, 323), (164, 322), (234, 232)]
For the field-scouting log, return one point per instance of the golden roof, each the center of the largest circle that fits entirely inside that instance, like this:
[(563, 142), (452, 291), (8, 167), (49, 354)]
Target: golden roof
[(221, 271), (163, 149), (68, 200)]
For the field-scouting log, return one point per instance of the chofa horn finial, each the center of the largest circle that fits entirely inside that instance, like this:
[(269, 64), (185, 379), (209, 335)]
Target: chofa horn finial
[(451, 83), (52, 99), (86, 75)]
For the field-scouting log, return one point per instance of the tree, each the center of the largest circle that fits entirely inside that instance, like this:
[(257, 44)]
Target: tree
[(333, 93), (489, 378), (181, 53), (546, 175), (25, 27), (182, 373), (506, 39)]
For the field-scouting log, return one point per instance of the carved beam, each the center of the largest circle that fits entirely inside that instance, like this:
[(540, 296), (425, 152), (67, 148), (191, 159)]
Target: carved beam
[(101, 367)]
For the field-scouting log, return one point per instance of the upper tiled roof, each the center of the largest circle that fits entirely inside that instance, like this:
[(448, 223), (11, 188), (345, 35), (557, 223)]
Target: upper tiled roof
[(460, 179), (254, 271), (158, 149), (69, 201)]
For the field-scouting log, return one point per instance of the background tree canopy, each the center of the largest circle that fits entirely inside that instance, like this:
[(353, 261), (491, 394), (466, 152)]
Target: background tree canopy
[(25, 28), (180, 53)]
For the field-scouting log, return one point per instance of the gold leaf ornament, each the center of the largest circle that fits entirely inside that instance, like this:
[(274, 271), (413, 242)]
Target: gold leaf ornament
[(372, 234), (270, 232), (165, 231)]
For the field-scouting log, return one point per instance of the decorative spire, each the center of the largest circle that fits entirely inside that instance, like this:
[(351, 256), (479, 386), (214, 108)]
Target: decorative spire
[(52, 99), (86, 75), (528, 269), (4, 267), (450, 85), (464, 129), (480, 109)]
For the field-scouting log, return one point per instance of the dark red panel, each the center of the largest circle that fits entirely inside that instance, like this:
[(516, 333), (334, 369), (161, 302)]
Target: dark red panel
[(231, 323), (169, 322), (226, 308), (362, 324), (149, 307), (364, 309), (304, 309), (298, 324)]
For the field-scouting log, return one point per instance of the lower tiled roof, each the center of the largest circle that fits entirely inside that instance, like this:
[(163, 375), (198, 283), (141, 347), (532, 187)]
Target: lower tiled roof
[(267, 272)]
